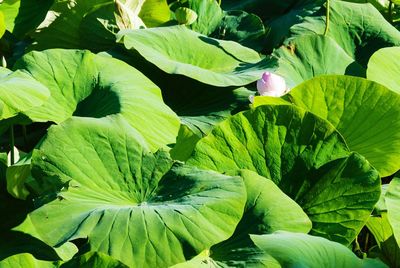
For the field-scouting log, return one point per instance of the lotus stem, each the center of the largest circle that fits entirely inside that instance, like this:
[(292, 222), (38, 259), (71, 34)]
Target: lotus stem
[(12, 142), (328, 9), (24, 135)]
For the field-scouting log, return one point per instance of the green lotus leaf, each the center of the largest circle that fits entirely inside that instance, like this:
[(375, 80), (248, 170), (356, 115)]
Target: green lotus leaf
[(358, 28), (364, 112), (242, 27), (392, 200), (17, 175), (302, 250), (86, 85), (384, 66), (387, 249), (185, 143), (209, 15), (93, 260), (19, 92), (185, 15), (155, 13), (25, 260), (88, 260), (305, 156), (279, 27), (242, 256), (80, 24), (2, 24), (199, 106), (220, 63), (275, 7), (308, 56), (23, 16), (142, 209), (267, 210), (19, 236)]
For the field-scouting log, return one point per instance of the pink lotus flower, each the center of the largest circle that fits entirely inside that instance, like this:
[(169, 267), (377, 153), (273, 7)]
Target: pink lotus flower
[(271, 85)]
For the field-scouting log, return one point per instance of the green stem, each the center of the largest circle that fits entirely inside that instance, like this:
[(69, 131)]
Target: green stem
[(328, 10), (390, 11), (366, 242), (12, 142), (25, 135)]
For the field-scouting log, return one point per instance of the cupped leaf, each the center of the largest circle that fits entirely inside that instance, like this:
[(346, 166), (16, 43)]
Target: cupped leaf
[(23, 16), (93, 259), (88, 260), (142, 209), (364, 112), (302, 250), (87, 85), (358, 28), (384, 66), (275, 8), (2, 24), (25, 260), (305, 156), (80, 24), (19, 92), (220, 63), (198, 105), (267, 210), (209, 15), (387, 249), (242, 256), (17, 175), (242, 27), (308, 56)]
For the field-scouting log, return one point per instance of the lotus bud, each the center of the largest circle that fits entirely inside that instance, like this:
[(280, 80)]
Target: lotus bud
[(3, 62), (271, 85), (185, 15)]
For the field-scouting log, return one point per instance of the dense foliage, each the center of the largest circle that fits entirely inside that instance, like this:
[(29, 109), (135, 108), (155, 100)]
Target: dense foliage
[(199, 133)]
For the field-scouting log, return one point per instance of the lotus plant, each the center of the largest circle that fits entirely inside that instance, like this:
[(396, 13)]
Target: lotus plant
[(271, 85)]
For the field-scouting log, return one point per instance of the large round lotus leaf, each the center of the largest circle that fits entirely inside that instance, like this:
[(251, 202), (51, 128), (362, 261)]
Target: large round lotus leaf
[(198, 105), (267, 8), (210, 61), (25, 260), (93, 260), (92, 25), (387, 248), (364, 112), (242, 27), (358, 28), (311, 55), (19, 92), (302, 250), (2, 24), (267, 210), (23, 16), (392, 200), (88, 260), (239, 256), (384, 68), (305, 156), (209, 15), (84, 84), (142, 209)]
